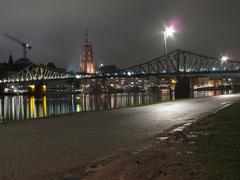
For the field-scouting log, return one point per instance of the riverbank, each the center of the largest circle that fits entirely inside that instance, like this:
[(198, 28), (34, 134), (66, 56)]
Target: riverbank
[(65, 145), (207, 149)]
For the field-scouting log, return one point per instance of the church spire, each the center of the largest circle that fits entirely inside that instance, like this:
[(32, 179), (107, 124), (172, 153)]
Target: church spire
[(86, 33), (10, 60), (86, 36), (87, 63)]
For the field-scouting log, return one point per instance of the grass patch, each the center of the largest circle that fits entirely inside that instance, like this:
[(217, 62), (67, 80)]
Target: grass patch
[(220, 150)]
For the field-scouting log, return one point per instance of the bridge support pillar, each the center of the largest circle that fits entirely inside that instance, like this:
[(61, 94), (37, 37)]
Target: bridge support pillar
[(182, 88)]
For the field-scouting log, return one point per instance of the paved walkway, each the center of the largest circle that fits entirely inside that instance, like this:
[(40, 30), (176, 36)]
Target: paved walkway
[(36, 149)]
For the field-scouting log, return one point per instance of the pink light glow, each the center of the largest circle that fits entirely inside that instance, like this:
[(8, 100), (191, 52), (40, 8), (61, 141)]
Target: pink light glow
[(176, 23)]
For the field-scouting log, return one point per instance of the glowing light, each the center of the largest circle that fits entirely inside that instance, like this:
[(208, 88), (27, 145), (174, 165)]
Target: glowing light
[(44, 87), (32, 107), (78, 76), (174, 81), (169, 31), (32, 86), (44, 106), (224, 58)]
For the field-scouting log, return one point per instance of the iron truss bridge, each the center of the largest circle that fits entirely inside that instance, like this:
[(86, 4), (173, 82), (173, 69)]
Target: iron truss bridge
[(183, 62), (41, 73), (176, 63)]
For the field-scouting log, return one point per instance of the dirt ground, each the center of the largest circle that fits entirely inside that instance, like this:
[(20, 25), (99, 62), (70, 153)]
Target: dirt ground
[(169, 156)]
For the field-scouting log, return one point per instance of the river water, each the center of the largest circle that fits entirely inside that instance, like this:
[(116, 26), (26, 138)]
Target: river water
[(14, 108)]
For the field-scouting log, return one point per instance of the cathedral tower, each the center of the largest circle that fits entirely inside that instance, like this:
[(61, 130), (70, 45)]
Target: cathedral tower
[(87, 64)]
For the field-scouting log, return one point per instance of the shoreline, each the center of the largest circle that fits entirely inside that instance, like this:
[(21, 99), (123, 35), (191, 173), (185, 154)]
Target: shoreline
[(7, 122), (78, 145)]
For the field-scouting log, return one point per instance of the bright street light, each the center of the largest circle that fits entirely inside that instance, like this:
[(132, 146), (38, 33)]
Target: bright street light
[(169, 31), (224, 58)]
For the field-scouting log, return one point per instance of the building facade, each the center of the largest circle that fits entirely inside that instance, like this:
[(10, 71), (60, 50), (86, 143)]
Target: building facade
[(87, 63)]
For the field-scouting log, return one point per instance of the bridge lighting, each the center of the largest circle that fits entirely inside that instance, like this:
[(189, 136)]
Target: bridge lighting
[(78, 76), (174, 81), (129, 73), (44, 87), (224, 58), (32, 86)]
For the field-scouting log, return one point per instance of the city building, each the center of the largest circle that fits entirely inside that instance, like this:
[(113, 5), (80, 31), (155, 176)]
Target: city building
[(87, 63), (107, 69)]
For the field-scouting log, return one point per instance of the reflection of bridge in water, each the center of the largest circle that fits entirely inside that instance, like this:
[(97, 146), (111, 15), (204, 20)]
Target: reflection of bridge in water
[(182, 69)]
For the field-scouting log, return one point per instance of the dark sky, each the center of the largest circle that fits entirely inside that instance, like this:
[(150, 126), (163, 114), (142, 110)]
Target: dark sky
[(123, 32)]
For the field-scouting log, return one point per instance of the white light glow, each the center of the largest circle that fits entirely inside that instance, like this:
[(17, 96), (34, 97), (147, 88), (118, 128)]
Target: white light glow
[(224, 58), (169, 31)]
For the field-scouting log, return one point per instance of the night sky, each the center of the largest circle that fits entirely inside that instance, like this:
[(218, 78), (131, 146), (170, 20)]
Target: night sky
[(123, 32)]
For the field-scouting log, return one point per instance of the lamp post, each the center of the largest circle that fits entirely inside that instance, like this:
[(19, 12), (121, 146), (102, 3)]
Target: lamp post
[(223, 60), (169, 31)]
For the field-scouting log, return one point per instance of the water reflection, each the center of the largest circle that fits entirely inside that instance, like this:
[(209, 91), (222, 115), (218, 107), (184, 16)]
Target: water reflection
[(24, 107), (198, 94)]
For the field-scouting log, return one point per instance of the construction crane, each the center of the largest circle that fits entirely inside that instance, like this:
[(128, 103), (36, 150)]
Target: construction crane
[(24, 45)]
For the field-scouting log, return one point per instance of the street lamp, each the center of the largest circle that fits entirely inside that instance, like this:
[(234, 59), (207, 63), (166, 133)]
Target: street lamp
[(169, 31), (223, 59)]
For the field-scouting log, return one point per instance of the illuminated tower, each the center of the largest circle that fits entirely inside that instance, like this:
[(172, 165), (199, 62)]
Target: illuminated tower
[(87, 64)]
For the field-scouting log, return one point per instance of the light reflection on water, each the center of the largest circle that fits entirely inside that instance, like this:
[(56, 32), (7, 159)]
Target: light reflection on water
[(25, 107)]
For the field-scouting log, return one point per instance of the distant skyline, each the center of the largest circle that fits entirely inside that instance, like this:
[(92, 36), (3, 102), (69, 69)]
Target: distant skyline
[(122, 32)]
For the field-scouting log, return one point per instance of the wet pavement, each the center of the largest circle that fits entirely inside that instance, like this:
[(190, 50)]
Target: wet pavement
[(38, 149)]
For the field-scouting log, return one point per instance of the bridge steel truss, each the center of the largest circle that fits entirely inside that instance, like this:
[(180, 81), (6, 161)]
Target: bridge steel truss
[(183, 62), (178, 62), (37, 73)]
